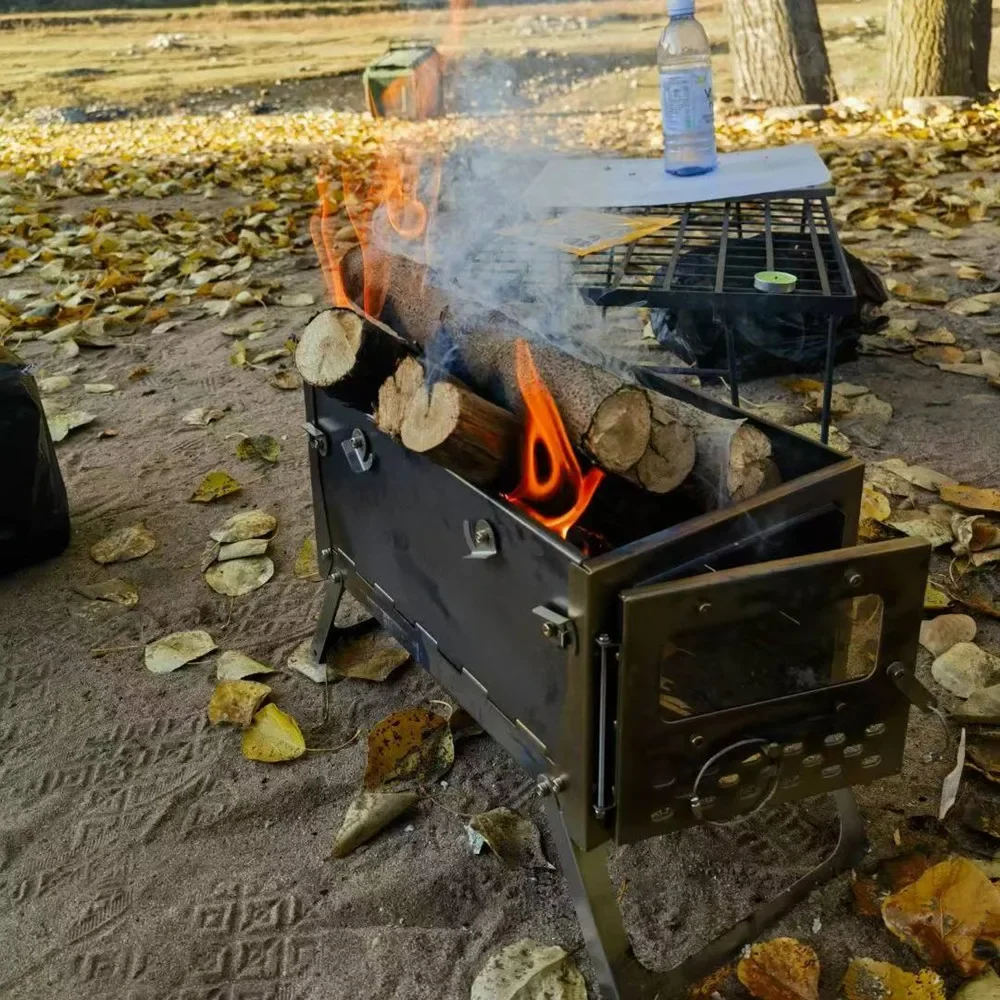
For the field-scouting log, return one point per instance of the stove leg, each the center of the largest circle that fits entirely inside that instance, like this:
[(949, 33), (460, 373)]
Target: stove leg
[(619, 973), (831, 354), (327, 631)]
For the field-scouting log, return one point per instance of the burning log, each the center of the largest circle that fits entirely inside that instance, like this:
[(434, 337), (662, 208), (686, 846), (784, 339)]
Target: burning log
[(651, 440), (449, 424), (341, 351)]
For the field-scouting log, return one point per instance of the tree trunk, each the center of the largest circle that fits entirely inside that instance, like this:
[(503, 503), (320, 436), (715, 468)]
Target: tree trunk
[(982, 41), (778, 53), (929, 48)]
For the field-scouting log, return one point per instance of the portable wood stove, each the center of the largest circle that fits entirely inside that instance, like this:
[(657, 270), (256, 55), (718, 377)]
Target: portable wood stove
[(742, 658)]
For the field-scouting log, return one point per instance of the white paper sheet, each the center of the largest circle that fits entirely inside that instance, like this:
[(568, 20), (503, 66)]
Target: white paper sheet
[(595, 182)]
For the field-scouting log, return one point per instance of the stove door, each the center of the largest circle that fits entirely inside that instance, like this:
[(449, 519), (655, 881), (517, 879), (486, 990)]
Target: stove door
[(763, 684)]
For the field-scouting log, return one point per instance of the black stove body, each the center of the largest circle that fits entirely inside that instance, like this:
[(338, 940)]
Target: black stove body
[(746, 657)]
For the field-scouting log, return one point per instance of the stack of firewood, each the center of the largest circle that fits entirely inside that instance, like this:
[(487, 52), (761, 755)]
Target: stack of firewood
[(473, 424)]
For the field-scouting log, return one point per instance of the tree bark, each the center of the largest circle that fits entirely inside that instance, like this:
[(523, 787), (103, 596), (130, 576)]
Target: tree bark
[(982, 42), (929, 49), (778, 53)]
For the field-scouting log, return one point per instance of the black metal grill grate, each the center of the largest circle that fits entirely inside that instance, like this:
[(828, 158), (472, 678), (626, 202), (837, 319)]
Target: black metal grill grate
[(715, 249), (708, 257)]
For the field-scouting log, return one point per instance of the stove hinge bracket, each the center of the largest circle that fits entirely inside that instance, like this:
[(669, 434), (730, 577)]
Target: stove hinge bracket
[(607, 651), (556, 627), (317, 439)]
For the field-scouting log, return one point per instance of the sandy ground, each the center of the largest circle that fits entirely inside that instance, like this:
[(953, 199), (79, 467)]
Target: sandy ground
[(143, 858)]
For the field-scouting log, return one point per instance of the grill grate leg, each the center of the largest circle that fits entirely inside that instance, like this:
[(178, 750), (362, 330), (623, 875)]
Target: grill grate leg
[(620, 975), (328, 633)]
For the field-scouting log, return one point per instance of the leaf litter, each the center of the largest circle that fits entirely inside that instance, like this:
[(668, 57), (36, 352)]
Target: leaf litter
[(124, 544), (236, 701), (273, 736), (408, 749), (367, 814), (240, 550), (238, 577), (263, 448), (375, 656), (214, 486), (113, 590), (780, 969), (235, 666), (512, 838), (249, 524), (528, 970), (868, 979), (177, 649)]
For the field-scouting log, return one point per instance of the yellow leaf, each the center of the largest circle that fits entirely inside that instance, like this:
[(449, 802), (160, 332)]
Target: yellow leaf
[(866, 979), (132, 542), (927, 294), (939, 355), (782, 969), (935, 599), (412, 746), (262, 447), (236, 701), (273, 736), (982, 501), (950, 916), (215, 485), (306, 566), (802, 385)]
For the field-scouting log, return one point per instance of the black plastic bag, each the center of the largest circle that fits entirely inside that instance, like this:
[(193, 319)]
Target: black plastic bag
[(766, 343), (34, 512)]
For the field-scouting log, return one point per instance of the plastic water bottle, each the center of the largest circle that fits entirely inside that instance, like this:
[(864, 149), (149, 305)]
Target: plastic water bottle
[(684, 59)]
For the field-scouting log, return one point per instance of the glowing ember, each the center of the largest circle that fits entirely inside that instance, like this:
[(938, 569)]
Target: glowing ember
[(550, 472)]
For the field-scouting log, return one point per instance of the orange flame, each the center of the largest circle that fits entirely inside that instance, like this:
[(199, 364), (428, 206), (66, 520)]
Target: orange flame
[(391, 183), (550, 469)]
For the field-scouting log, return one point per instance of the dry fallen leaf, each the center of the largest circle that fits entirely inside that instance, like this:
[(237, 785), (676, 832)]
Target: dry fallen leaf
[(939, 355), (301, 660), (374, 656), (512, 838), (947, 916), (176, 649), (411, 747), (368, 813), (234, 666), (98, 388), (273, 736), (262, 447), (286, 380), (781, 969), (921, 524), (875, 510), (983, 501), (54, 383), (215, 485), (529, 971), (838, 441), (985, 987), (243, 549), (249, 524), (60, 424), (236, 702), (306, 566), (132, 542), (237, 577), (296, 301), (939, 335), (917, 475), (113, 590), (867, 979), (202, 416), (927, 294), (973, 306), (935, 599)]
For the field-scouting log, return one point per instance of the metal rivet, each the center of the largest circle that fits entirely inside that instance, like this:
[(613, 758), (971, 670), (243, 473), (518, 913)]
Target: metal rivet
[(854, 579), (482, 535), (697, 741), (704, 608)]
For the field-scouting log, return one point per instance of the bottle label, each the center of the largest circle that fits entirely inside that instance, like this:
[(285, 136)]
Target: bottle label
[(686, 101)]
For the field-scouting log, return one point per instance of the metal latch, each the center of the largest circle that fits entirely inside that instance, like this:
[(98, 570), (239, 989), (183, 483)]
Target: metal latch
[(317, 439), (480, 538), (556, 628), (359, 457)]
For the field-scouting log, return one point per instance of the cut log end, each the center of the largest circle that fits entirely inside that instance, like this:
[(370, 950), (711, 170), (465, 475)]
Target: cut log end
[(619, 430), (395, 393), (329, 346), (668, 460)]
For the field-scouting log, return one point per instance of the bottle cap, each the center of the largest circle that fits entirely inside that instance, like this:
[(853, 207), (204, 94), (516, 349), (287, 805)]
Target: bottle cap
[(680, 8)]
